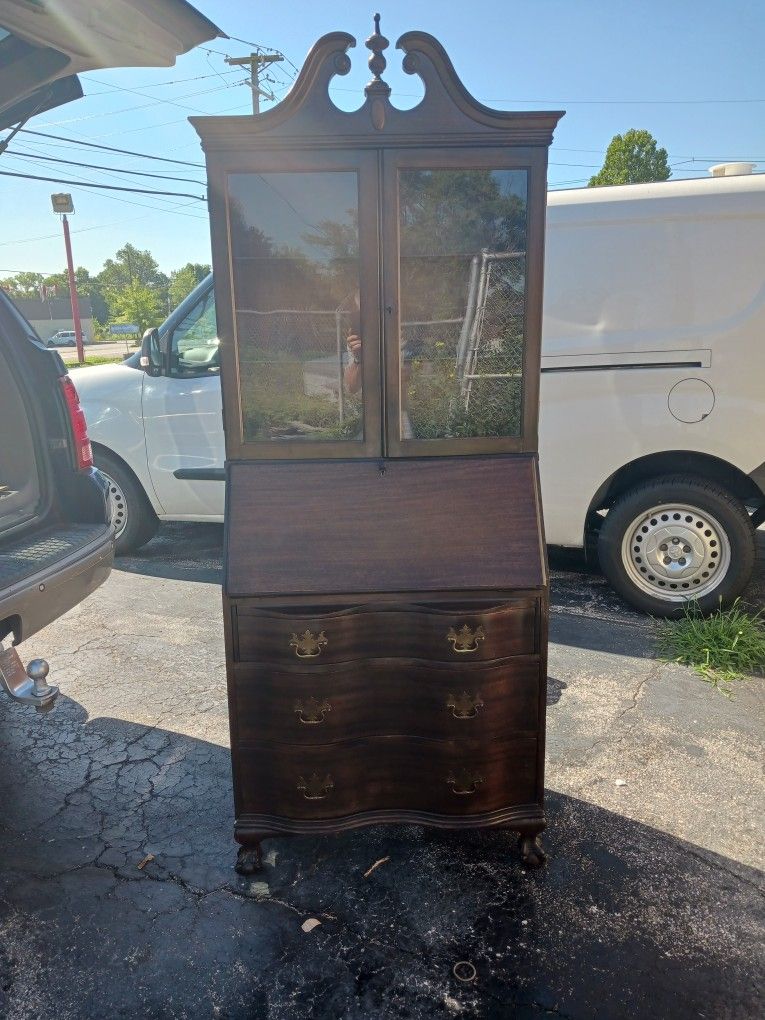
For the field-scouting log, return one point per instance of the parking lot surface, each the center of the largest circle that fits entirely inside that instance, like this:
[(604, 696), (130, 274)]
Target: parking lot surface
[(118, 896)]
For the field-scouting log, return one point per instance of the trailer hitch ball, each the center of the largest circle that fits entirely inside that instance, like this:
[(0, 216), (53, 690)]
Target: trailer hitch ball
[(29, 686), (37, 671)]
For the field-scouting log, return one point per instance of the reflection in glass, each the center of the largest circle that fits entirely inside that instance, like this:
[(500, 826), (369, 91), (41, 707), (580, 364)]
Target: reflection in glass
[(463, 282), (295, 254)]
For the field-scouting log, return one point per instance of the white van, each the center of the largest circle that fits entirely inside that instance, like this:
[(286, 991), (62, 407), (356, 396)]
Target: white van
[(652, 420)]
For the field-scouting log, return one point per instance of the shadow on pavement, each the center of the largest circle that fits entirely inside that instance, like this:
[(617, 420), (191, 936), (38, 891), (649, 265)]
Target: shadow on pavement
[(625, 921), (179, 551), (193, 552)]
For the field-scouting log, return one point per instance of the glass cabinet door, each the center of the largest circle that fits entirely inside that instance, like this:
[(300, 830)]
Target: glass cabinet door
[(457, 299), (301, 307)]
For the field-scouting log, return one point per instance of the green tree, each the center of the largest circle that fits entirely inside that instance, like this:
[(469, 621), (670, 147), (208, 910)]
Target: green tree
[(23, 285), (130, 265), (632, 158), (184, 280), (138, 303)]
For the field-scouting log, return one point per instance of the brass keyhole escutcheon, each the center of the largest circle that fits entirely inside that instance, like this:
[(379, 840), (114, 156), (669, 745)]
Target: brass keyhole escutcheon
[(464, 782), (315, 787), (465, 639), (306, 645), (311, 712), (464, 705)]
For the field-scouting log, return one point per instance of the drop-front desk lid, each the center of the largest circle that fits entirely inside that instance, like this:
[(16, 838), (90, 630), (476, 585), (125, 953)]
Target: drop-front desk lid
[(340, 527)]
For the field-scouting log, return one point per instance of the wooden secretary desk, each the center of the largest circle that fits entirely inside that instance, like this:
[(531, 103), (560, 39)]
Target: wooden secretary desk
[(378, 281)]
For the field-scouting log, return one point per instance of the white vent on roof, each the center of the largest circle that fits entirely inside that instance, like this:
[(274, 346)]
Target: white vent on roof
[(731, 169)]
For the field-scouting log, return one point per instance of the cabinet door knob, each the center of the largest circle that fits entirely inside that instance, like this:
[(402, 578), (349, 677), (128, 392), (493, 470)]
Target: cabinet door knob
[(465, 639), (464, 782), (306, 645), (312, 712), (464, 706), (315, 788)]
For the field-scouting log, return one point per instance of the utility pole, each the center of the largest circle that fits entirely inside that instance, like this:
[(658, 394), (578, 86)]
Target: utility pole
[(254, 62), (62, 204)]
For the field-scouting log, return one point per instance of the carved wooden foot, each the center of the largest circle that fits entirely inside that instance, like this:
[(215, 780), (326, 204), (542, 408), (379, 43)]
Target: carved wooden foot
[(249, 860), (532, 854)]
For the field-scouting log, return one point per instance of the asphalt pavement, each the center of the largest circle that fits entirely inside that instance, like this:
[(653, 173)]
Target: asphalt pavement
[(118, 896)]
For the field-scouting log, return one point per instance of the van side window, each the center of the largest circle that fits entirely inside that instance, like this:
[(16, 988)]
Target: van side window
[(194, 341)]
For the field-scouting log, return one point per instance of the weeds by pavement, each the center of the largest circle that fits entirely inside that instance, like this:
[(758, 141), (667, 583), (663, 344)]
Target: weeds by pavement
[(725, 646)]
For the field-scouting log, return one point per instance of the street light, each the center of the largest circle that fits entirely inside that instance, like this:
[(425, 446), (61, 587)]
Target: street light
[(62, 204)]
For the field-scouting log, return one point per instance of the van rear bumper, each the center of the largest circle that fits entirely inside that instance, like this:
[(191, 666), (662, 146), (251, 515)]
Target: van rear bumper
[(35, 600)]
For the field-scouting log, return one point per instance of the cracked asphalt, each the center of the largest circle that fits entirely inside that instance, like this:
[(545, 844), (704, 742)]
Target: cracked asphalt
[(118, 896)]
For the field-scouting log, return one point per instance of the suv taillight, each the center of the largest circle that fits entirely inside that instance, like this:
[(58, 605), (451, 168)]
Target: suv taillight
[(82, 451)]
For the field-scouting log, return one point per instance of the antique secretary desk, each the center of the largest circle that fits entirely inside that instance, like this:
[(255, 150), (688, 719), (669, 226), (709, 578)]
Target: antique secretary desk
[(378, 280)]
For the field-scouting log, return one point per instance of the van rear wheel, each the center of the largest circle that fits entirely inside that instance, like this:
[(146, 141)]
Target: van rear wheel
[(677, 538), (132, 515)]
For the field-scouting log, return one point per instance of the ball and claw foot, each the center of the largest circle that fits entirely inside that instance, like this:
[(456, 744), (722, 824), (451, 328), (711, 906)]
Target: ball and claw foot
[(248, 860), (532, 854)]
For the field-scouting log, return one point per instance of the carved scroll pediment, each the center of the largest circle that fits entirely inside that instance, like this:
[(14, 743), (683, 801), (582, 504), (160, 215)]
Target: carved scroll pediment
[(307, 112)]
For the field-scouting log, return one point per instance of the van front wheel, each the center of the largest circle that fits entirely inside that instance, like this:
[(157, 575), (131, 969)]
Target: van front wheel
[(677, 538), (132, 515)]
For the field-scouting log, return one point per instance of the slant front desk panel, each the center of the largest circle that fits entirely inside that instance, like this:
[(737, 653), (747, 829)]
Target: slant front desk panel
[(408, 525), (378, 280)]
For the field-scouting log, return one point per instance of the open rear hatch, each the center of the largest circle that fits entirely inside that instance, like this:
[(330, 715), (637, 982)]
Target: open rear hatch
[(55, 534)]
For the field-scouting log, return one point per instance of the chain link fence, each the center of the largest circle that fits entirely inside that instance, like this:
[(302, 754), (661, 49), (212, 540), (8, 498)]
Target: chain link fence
[(463, 377)]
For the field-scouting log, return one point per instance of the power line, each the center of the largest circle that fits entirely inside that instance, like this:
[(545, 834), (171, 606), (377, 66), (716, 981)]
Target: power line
[(144, 106), (98, 166), (149, 85), (176, 208), (105, 187), (83, 230), (118, 176), (109, 148)]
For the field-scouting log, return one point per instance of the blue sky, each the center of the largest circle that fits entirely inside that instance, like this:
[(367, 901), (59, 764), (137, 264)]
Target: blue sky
[(692, 73)]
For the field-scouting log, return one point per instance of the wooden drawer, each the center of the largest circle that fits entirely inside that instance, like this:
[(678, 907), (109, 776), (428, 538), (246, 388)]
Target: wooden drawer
[(386, 696), (385, 774), (446, 633)]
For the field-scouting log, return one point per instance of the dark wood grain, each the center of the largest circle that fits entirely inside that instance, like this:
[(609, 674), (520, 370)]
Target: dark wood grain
[(385, 773), (357, 547), (417, 525), (390, 696), (374, 631)]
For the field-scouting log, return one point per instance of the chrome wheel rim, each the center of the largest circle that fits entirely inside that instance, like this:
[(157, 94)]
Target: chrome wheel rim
[(675, 552), (118, 505)]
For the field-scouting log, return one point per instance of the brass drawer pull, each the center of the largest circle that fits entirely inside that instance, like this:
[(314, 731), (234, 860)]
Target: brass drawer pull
[(464, 706), (315, 788), (311, 712), (306, 645), (464, 782), (465, 639)]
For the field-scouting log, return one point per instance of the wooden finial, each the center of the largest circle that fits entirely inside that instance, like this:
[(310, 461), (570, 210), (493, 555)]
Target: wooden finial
[(377, 62)]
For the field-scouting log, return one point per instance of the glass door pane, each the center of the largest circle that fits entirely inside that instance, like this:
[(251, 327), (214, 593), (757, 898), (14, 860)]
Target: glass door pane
[(294, 240), (462, 303)]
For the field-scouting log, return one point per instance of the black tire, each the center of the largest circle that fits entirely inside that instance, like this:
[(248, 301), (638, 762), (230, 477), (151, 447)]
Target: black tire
[(708, 509), (132, 513)]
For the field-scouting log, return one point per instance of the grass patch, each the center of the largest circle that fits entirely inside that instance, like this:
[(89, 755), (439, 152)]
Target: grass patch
[(725, 646), (94, 359)]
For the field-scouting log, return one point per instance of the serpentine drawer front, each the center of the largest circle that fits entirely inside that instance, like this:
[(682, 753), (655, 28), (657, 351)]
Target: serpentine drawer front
[(386, 696), (385, 774), (456, 633)]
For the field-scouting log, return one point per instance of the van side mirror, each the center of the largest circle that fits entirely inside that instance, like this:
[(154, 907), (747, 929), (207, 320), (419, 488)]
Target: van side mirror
[(151, 354)]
